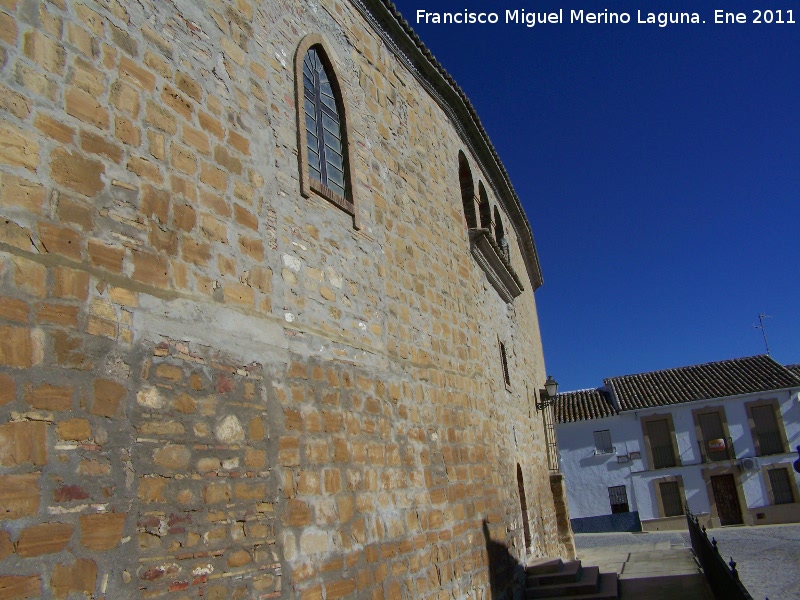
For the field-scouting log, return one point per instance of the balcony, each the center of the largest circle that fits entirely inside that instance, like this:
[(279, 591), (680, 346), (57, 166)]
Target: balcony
[(716, 450), (769, 442), (663, 457), (495, 263)]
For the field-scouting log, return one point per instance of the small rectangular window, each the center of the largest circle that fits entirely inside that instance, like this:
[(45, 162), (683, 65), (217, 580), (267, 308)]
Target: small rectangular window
[(671, 498), (602, 442), (618, 497), (781, 486)]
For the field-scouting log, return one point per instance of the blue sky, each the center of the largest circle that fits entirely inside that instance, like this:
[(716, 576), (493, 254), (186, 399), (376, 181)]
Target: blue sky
[(660, 172)]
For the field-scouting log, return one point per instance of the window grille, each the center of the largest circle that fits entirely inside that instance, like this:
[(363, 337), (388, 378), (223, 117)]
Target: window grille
[(671, 498), (766, 429), (781, 486), (602, 442), (618, 497), (661, 448), (323, 125), (712, 432)]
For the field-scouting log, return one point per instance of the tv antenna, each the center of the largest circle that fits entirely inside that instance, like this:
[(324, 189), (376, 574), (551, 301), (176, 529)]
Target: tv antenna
[(760, 326)]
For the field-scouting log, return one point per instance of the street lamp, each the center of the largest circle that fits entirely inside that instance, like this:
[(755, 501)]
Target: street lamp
[(548, 394)]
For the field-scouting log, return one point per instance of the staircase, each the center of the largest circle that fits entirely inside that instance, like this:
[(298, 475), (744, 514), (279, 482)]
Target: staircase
[(553, 578)]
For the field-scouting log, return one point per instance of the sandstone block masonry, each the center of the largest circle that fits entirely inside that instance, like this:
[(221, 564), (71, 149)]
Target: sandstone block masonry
[(213, 385)]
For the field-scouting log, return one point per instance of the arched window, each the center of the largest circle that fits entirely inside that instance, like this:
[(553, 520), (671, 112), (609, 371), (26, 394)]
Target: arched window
[(323, 126), (500, 234), (467, 191), (483, 208), (322, 132)]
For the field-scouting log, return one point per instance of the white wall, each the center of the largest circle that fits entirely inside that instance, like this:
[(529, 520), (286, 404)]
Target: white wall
[(588, 476)]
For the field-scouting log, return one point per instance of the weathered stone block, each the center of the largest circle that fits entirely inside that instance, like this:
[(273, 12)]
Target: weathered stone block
[(18, 148), (21, 193), (14, 310), (19, 347), (45, 52), (78, 577), (20, 587), (151, 489), (7, 388), (96, 144), (54, 129), (109, 398), (87, 108), (45, 538), (101, 531), (136, 74), (23, 442), (297, 514), (19, 495), (76, 429), (239, 558), (106, 257), (151, 269), (77, 173), (6, 547), (70, 283), (216, 492), (173, 456)]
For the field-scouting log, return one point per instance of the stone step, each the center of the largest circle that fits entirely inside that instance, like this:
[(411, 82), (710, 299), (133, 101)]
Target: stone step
[(570, 572), (587, 584), (607, 589), (543, 566)]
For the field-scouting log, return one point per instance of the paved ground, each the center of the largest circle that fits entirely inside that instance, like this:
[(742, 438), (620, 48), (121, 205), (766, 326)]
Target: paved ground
[(652, 568), (767, 557)]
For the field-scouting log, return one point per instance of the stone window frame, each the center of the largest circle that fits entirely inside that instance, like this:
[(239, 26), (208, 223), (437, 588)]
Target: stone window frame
[(660, 500), (776, 409), (673, 439), (768, 483), (699, 432), (310, 187)]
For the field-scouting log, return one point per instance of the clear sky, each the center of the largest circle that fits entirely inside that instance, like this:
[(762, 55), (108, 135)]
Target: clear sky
[(660, 171)]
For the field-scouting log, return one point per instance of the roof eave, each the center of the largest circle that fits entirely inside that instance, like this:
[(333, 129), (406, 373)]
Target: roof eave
[(404, 43)]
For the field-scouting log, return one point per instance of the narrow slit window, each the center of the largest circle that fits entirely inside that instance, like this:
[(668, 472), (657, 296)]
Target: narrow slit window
[(504, 362)]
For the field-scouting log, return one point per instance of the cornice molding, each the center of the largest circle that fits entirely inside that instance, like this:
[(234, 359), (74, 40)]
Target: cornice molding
[(401, 40), (497, 268)]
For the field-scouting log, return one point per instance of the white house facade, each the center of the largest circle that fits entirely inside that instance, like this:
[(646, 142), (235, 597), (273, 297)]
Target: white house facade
[(719, 438)]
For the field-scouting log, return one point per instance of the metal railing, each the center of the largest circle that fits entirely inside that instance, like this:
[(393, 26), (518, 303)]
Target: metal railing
[(663, 457), (769, 442), (722, 577), (707, 455)]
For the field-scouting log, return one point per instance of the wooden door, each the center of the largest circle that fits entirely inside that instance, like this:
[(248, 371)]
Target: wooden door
[(726, 500)]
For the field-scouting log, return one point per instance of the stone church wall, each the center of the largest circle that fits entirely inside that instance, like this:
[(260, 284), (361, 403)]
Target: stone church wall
[(213, 386)]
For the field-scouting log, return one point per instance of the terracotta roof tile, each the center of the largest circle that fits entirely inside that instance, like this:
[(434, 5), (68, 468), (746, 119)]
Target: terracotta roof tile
[(582, 405), (702, 382)]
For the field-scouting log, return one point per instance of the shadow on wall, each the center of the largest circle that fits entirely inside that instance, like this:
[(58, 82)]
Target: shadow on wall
[(506, 574)]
